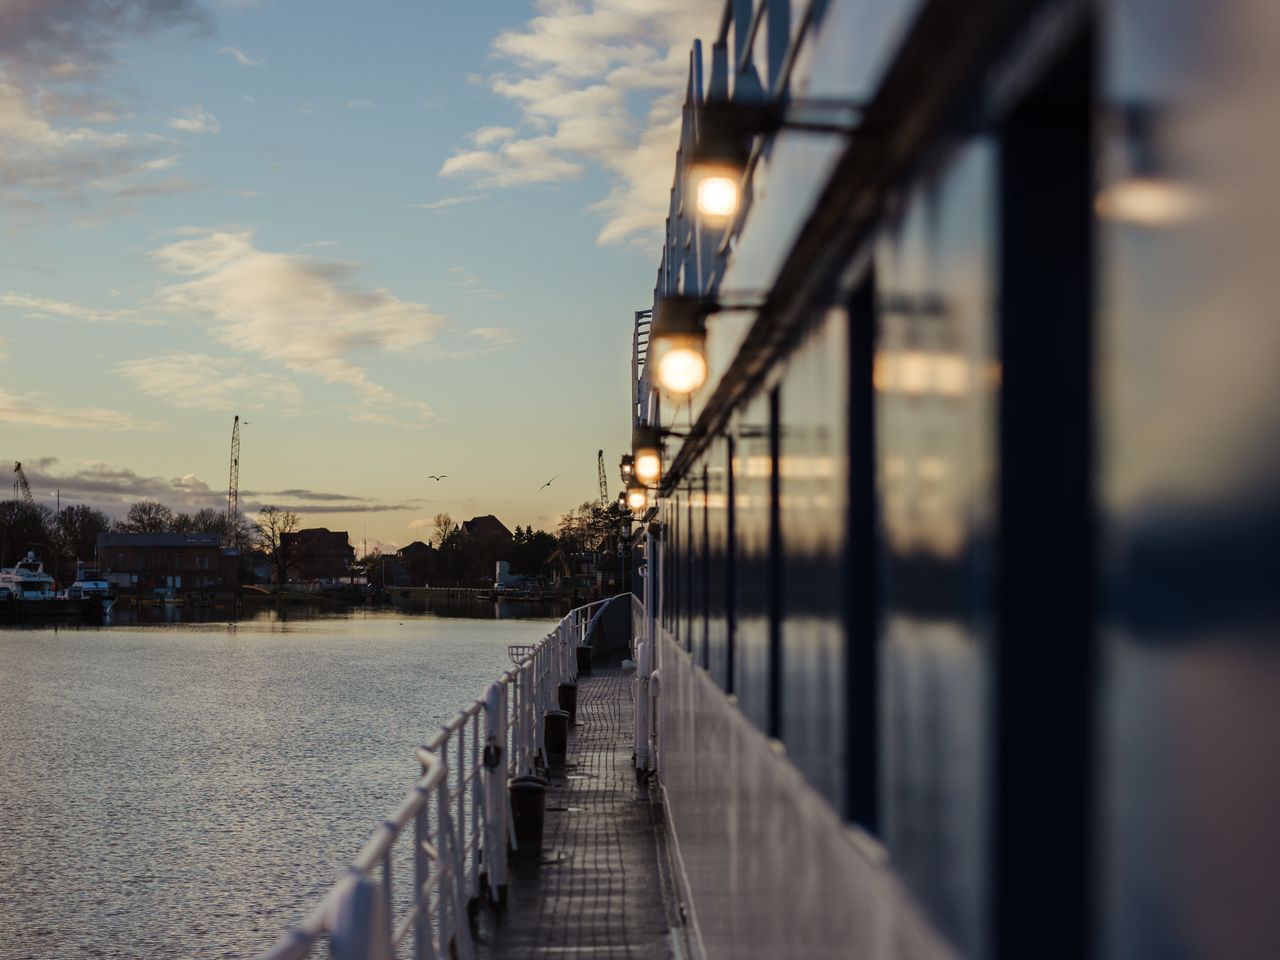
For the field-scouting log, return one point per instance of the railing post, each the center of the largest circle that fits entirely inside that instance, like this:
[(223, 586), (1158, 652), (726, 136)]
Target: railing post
[(422, 946), (475, 844), (496, 766), (444, 847)]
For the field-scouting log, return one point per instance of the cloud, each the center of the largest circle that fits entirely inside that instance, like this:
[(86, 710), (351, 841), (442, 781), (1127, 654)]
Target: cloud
[(196, 120), (35, 410), (242, 58), (4, 349), (53, 60), (296, 310), (74, 38), (497, 336), (359, 105), (449, 202), (197, 380), (38, 308), (488, 136), (575, 72)]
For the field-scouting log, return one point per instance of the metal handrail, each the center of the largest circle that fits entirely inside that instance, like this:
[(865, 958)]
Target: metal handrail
[(461, 819)]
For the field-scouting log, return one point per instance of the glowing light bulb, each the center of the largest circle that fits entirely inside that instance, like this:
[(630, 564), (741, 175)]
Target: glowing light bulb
[(718, 197), (682, 370), (637, 499), (648, 468)]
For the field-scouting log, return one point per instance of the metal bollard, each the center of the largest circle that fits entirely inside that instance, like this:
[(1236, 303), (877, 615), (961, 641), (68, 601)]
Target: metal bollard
[(528, 810), (556, 738), (568, 698), (584, 661)]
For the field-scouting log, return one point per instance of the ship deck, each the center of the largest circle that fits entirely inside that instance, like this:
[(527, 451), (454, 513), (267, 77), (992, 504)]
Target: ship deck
[(603, 887)]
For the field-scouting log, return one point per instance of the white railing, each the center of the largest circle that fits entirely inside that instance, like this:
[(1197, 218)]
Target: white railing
[(460, 815)]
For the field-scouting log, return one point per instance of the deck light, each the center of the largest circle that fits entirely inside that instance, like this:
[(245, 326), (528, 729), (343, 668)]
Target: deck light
[(646, 444), (637, 498), (677, 344), (626, 466), (718, 162), (716, 167)]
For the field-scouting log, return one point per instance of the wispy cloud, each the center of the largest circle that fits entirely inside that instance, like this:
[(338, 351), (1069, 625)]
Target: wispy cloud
[(299, 311), (447, 202), (497, 336), (44, 307), (37, 410), (195, 120), (197, 380), (242, 58), (359, 105), (575, 71)]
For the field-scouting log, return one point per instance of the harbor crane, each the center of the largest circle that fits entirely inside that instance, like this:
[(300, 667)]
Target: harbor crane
[(603, 478), (20, 485), (233, 485)]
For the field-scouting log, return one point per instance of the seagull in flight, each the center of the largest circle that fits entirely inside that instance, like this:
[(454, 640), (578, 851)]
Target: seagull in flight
[(436, 477), (548, 483)]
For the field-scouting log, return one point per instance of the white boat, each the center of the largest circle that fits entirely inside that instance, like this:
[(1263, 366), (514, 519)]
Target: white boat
[(89, 585), (27, 580)]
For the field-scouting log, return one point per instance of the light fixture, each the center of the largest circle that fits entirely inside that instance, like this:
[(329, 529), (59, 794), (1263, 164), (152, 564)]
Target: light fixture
[(622, 500), (1142, 190), (646, 445), (637, 498), (720, 155), (626, 466), (716, 167), (677, 344)]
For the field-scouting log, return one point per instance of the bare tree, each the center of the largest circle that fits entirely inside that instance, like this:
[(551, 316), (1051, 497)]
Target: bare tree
[(443, 527), (147, 516), (273, 525)]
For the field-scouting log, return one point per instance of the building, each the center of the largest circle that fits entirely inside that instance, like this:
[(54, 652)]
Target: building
[(486, 528), (418, 559), (317, 553), (166, 561)]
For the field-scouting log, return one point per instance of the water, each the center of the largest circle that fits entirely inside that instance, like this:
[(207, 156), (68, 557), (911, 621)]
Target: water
[(190, 789)]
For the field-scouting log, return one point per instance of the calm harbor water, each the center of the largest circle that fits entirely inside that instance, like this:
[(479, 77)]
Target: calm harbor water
[(189, 789)]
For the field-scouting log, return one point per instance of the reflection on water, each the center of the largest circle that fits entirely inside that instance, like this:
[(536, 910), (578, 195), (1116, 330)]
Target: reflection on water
[(174, 790), (463, 607)]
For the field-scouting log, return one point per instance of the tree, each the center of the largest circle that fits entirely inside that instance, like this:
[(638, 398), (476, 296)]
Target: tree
[(531, 552), (273, 524), (147, 516), (23, 527), (75, 532), (443, 527), (589, 526)]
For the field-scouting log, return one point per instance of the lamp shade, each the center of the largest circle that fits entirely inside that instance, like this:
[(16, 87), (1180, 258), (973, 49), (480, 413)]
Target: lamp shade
[(646, 446), (677, 344)]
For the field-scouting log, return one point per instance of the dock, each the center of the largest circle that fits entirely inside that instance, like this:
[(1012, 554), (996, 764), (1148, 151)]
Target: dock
[(602, 887)]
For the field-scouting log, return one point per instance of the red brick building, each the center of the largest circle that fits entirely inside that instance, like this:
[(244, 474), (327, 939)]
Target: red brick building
[(172, 561)]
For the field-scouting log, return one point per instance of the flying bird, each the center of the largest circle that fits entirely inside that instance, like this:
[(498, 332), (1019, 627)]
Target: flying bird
[(548, 483), (435, 477)]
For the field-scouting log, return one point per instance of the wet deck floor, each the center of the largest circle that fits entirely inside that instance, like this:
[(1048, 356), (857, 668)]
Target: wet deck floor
[(602, 888)]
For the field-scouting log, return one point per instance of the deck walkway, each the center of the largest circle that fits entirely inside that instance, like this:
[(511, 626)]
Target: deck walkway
[(602, 888)]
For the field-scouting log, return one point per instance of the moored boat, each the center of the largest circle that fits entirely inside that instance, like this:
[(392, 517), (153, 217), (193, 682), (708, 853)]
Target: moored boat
[(89, 585), (27, 580)]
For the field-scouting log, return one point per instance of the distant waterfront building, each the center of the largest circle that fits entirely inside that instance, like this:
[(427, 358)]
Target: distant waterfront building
[(318, 553), (169, 561), (418, 558), (487, 527)]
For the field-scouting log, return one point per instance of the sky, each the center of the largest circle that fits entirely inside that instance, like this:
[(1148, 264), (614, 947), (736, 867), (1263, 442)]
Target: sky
[(397, 239)]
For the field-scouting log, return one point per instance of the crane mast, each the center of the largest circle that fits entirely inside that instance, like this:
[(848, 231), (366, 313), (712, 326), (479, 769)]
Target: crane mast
[(20, 486), (603, 478), (233, 485)]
